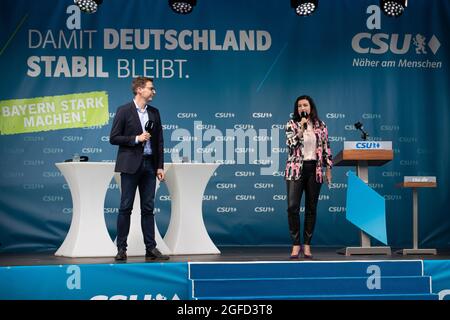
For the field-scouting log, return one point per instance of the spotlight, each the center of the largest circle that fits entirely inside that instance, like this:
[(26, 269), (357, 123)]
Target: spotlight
[(304, 7), (182, 6), (393, 8), (88, 6)]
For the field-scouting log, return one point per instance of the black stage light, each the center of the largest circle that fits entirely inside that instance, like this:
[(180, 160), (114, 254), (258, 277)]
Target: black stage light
[(182, 6), (304, 7), (393, 8), (88, 6)]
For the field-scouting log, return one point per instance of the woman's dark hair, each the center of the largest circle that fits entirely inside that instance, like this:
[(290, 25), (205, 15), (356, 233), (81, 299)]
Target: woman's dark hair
[(313, 114)]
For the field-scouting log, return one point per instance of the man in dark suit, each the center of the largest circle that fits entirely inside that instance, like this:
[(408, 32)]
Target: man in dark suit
[(137, 131)]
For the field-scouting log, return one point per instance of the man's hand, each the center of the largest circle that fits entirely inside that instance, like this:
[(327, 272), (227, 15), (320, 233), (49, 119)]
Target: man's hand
[(160, 174), (145, 136)]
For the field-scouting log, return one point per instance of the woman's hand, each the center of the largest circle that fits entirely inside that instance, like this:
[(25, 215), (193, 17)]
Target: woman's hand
[(300, 129), (303, 121), (328, 175)]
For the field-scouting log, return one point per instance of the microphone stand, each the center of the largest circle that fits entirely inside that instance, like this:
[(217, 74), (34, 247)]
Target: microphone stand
[(364, 134)]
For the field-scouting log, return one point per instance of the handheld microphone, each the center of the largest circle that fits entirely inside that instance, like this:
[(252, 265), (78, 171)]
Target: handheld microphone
[(148, 127), (304, 114)]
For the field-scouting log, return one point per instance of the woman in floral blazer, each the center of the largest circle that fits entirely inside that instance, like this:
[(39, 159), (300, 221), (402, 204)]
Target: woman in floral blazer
[(309, 152)]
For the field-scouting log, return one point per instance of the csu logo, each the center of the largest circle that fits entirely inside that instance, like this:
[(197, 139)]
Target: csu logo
[(226, 209), (91, 150), (380, 43), (335, 115), (262, 115), (226, 185), (186, 115), (224, 115), (264, 209), (244, 173), (158, 296), (368, 145)]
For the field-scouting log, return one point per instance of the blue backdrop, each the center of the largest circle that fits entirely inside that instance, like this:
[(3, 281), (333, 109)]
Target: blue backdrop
[(228, 65)]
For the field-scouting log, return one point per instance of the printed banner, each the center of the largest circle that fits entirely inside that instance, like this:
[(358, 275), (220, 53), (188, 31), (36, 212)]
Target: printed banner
[(137, 281), (53, 113), (226, 77)]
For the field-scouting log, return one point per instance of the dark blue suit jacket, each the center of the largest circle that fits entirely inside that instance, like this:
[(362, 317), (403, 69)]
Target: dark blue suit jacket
[(126, 126)]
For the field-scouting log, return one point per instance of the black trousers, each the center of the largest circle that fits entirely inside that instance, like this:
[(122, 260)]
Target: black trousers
[(295, 188), (145, 179)]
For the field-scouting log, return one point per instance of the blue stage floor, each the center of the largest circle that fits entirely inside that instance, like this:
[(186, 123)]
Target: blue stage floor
[(241, 253), (249, 273)]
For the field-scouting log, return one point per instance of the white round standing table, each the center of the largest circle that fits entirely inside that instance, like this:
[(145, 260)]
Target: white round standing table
[(88, 235), (187, 233)]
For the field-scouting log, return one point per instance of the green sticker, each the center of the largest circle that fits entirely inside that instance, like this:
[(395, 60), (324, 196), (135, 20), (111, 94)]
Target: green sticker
[(54, 113)]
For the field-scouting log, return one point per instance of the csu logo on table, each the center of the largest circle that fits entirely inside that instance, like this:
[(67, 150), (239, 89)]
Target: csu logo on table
[(368, 145)]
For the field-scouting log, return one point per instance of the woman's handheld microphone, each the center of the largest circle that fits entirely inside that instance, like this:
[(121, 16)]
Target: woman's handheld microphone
[(305, 115)]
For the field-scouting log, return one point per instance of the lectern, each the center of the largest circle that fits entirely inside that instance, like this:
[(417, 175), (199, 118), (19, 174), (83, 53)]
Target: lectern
[(415, 182), (363, 154)]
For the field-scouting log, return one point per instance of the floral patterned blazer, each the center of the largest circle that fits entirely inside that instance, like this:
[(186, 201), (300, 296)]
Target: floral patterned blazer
[(294, 163)]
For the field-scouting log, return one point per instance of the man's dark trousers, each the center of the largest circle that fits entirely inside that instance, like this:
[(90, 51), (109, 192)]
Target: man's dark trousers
[(145, 180)]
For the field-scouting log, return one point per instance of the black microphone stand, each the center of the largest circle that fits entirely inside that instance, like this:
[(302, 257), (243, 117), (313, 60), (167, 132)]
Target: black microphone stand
[(364, 134)]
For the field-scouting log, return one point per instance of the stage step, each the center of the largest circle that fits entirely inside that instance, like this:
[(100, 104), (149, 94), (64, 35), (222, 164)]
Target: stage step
[(431, 296), (303, 269), (311, 280), (309, 286)]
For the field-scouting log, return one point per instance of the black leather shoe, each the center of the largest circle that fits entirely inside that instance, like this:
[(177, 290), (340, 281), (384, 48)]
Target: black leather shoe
[(155, 254), (121, 255)]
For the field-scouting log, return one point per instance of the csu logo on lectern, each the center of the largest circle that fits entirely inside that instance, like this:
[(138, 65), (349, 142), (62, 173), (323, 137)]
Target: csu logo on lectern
[(368, 145)]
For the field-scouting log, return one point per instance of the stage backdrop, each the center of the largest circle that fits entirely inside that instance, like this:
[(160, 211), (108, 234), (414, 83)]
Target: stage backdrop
[(227, 76)]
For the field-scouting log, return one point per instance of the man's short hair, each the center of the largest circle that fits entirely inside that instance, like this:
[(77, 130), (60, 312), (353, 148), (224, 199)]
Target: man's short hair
[(140, 82)]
